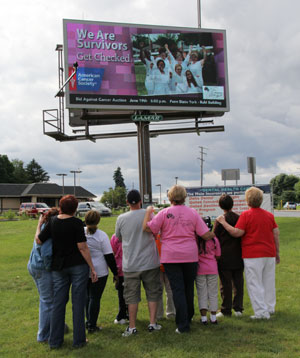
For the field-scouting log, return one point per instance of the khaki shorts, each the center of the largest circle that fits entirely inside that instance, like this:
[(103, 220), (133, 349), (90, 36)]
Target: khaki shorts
[(151, 283)]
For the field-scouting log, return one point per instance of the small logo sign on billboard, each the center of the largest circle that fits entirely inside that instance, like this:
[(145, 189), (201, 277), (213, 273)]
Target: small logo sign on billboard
[(146, 118)]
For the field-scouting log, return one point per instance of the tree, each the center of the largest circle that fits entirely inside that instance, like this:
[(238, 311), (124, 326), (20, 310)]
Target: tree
[(6, 170), (297, 190), (20, 174), (118, 178), (284, 188), (35, 173), (114, 198), (288, 195)]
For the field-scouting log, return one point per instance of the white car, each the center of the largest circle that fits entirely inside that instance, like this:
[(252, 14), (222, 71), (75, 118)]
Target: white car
[(84, 207), (290, 205)]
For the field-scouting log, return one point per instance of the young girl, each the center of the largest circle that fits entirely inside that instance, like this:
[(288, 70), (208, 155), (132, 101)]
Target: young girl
[(207, 278), (122, 316), (102, 257)]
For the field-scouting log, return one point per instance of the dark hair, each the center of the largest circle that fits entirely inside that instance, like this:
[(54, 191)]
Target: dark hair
[(52, 212), (226, 202), (192, 80), (92, 219), (68, 204), (202, 244)]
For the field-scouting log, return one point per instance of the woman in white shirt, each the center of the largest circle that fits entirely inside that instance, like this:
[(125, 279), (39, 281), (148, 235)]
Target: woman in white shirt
[(102, 258), (196, 65), (162, 79), (192, 86)]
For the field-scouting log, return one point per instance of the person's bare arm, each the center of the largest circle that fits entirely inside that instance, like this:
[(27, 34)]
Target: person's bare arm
[(147, 218), (38, 230), (276, 239), (233, 231), (208, 235), (85, 252)]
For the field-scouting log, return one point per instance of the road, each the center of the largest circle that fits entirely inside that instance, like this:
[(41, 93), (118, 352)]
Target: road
[(287, 213)]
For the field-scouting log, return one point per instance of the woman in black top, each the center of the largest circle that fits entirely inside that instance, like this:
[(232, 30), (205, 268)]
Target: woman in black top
[(230, 265), (70, 267)]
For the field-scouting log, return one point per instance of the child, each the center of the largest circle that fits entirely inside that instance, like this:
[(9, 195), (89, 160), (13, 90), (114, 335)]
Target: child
[(170, 308), (122, 316), (102, 257), (231, 264), (207, 278)]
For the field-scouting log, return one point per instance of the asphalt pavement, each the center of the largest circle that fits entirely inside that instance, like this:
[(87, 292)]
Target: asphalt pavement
[(287, 213)]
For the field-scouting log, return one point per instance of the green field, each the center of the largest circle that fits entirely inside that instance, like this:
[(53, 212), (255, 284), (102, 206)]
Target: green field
[(233, 337)]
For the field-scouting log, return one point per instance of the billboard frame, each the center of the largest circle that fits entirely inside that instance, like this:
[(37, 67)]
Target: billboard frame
[(115, 106)]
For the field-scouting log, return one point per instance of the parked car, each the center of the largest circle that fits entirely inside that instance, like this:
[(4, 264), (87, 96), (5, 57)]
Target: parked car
[(33, 209), (290, 205), (86, 206)]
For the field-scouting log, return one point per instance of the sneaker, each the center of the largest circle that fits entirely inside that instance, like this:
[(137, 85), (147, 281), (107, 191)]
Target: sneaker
[(154, 327), (259, 317), (129, 331), (219, 315), (213, 322), (121, 321), (177, 331), (205, 323), (94, 329), (238, 313)]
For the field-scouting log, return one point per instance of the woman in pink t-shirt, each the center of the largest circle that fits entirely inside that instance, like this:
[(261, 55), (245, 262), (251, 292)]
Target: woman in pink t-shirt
[(260, 252), (179, 253)]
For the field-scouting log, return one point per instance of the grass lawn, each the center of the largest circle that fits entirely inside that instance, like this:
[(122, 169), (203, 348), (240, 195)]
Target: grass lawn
[(233, 337)]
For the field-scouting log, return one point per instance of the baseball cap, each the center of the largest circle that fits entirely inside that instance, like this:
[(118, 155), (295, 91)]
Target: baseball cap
[(133, 196)]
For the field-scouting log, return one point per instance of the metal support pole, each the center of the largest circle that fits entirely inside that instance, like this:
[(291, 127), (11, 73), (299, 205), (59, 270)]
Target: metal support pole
[(199, 13), (144, 162)]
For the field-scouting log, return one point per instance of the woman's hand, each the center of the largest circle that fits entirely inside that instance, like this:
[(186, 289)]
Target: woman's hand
[(94, 276), (221, 219)]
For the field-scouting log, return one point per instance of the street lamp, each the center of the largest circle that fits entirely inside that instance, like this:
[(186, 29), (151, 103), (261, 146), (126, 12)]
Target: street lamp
[(159, 192), (176, 178), (75, 172), (63, 182)]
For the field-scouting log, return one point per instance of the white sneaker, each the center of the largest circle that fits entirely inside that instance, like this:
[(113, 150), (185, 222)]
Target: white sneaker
[(177, 331), (238, 313), (129, 331), (259, 317), (121, 321), (154, 327), (219, 315)]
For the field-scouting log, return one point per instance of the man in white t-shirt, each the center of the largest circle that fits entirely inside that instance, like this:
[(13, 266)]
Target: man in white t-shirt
[(140, 263)]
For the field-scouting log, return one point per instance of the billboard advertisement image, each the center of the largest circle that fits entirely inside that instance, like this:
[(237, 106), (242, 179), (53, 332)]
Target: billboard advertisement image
[(145, 67)]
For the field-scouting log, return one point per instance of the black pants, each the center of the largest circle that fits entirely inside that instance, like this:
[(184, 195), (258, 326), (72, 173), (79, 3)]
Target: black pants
[(182, 278), (232, 281), (94, 294), (123, 311)]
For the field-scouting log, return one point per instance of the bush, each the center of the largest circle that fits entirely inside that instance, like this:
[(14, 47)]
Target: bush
[(10, 215)]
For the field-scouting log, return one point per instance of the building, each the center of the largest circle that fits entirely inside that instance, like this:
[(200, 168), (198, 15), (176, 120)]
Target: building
[(12, 195)]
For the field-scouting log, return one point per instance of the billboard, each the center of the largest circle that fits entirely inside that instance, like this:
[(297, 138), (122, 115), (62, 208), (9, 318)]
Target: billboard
[(206, 199), (142, 67)]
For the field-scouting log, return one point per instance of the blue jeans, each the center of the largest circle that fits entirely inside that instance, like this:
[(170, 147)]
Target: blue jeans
[(182, 278), (77, 276), (44, 284)]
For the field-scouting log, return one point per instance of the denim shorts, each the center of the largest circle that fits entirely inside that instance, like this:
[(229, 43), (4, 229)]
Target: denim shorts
[(151, 283)]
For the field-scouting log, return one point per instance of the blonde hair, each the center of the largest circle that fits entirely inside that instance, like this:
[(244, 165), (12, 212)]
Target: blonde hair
[(254, 197), (177, 195), (92, 219)]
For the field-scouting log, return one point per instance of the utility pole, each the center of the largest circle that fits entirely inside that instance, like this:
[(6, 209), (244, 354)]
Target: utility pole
[(75, 172), (202, 153), (63, 182)]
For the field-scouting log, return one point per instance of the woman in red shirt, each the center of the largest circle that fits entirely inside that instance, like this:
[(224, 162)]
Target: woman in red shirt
[(260, 252)]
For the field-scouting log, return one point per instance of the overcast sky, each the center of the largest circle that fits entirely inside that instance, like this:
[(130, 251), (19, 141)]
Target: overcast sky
[(263, 42)]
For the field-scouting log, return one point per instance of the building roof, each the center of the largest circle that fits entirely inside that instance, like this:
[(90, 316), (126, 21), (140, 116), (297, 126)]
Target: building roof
[(42, 190)]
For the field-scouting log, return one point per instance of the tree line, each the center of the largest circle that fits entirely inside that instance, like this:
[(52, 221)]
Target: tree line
[(285, 188), (14, 171)]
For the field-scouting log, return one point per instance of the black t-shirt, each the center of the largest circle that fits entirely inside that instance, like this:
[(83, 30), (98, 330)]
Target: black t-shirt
[(231, 251), (65, 234)]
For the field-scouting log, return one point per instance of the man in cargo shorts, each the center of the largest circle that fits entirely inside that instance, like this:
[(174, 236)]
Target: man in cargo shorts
[(140, 263)]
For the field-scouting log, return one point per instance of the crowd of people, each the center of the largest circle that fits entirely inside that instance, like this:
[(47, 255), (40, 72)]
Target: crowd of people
[(166, 74), (174, 249)]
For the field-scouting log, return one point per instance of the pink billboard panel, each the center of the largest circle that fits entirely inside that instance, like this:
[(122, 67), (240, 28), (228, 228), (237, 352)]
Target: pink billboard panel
[(122, 66)]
